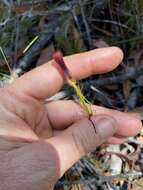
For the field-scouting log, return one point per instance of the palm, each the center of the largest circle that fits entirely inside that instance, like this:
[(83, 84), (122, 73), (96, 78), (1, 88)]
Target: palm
[(28, 123), (32, 119)]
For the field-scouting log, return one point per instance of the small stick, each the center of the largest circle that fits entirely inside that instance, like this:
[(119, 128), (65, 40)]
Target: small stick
[(4, 56)]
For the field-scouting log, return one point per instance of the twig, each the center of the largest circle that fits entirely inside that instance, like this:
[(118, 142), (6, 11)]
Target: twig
[(75, 17), (16, 39), (112, 22), (5, 22), (99, 181), (35, 50), (6, 2), (131, 74), (63, 8), (129, 175), (6, 61), (86, 25), (36, 2), (44, 39)]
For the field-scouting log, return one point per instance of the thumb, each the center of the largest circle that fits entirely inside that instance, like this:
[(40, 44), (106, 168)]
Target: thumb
[(82, 137)]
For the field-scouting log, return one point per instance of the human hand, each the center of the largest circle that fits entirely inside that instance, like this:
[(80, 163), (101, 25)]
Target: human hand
[(38, 141)]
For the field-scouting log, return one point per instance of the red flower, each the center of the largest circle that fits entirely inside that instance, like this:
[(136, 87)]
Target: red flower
[(58, 57)]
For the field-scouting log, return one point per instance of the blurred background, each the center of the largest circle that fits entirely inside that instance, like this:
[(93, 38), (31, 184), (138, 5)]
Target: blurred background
[(32, 30)]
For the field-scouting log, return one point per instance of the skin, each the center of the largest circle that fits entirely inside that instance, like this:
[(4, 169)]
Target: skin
[(39, 141)]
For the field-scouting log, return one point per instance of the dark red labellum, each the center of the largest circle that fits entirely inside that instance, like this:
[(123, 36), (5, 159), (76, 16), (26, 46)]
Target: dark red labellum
[(58, 57)]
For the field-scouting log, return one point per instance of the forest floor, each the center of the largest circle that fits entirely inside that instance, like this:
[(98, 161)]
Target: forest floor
[(32, 30)]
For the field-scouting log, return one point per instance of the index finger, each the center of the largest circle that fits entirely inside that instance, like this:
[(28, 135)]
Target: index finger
[(45, 81)]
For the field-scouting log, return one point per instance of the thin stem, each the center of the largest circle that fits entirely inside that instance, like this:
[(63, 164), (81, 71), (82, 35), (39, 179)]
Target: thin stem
[(4, 56)]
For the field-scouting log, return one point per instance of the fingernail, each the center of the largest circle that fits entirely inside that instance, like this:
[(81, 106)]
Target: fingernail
[(105, 126)]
